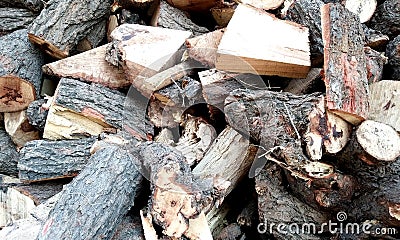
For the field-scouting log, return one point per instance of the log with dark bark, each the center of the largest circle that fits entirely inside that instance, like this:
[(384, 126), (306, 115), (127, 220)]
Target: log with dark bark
[(84, 211), (56, 30), (307, 13), (81, 109), (277, 206), (19, 129), (43, 160), (20, 72), (8, 155), (246, 51), (12, 19), (393, 54), (37, 113), (203, 48), (375, 63), (275, 120), (344, 63), (89, 66), (167, 16), (33, 5), (387, 18), (374, 38), (384, 105), (159, 50), (94, 38)]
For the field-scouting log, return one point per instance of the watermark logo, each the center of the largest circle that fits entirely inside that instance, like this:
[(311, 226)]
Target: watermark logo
[(334, 227)]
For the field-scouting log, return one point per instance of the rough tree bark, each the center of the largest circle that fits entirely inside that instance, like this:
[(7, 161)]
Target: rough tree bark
[(20, 72), (37, 113), (12, 19), (84, 211), (344, 63), (33, 5), (375, 63), (387, 18), (56, 29), (393, 53), (8, 155), (43, 160)]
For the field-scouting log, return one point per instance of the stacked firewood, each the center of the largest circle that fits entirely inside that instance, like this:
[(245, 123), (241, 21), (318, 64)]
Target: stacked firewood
[(189, 119)]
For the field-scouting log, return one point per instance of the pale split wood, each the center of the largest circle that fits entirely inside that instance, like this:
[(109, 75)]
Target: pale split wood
[(286, 53), (264, 4), (363, 8), (149, 231), (19, 129)]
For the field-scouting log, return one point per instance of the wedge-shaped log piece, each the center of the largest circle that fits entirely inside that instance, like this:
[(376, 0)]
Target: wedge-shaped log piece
[(344, 63), (44, 160), (89, 66), (56, 29), (81, 109), (285, 53), (144, 50), (203, 48), (96, 201), (20, 72), (384, 103), (19, 129)]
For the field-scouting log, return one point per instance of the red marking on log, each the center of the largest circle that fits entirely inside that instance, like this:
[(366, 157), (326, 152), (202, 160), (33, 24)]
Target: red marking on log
[(47, 226)]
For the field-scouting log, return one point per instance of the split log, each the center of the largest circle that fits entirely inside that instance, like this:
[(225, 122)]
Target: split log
[(222, 15), (43, 160), (264, 55), (229, 158), (77, 214), (274, 120), (56, 30), (384, 105), (374, 38), (167, 16), (19, 129), (375, 63), (393, 54), (277, 206), (386, 18), (148, 228), (264, 4), (344, 63), (33, 5), (217, 85), (107, 140), (364, 9), (8, 155), (129, 228), (193, 5), (307, 13), (94, 37), (12, 19), (81, 109), (197, 137), (203, 48), (89, 66), (29, 228), (37, 113), (158, 47), (20, 72), (306, 85)]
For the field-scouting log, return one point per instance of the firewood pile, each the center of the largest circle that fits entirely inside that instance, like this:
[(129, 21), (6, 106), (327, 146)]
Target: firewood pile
[(199, 119)]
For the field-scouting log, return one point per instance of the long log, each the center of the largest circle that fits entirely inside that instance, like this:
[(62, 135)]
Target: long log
[(20, 72), (84, 211), (8, 155), (344, 63), (56, 29), (43, 160), (89, 66), (81, 109)]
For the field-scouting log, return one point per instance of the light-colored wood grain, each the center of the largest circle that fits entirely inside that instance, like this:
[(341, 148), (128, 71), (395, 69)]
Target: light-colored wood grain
[(363, 8), (89, 66), (384, 102), (264, 4), (15, 93), (19, 129), (269, 47)]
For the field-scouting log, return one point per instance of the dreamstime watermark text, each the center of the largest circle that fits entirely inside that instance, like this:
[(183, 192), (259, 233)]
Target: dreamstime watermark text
[(334, 227)]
